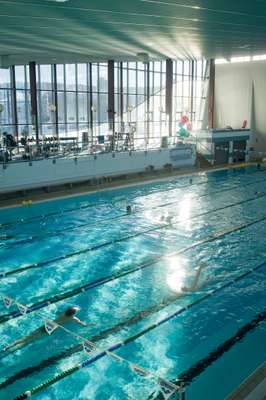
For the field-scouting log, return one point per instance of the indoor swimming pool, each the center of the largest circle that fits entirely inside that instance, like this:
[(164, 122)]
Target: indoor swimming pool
[(127, 273)]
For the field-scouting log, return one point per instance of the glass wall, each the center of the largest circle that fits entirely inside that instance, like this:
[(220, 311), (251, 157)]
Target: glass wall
[(23, 101), (73, 98), (6, 103)]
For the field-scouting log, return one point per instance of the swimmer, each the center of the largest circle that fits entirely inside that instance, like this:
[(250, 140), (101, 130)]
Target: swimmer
[(68, 316), (258, 166), (190, 181), (129, 210), (195, 285), (6, 237)]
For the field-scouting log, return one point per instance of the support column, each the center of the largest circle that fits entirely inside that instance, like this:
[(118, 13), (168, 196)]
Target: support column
[(169, 94), (55, 102), (14, 101), (111, 95), (121, 97), (211, 95), (91, 105), (33, 96), (192, 70), (148, 92)]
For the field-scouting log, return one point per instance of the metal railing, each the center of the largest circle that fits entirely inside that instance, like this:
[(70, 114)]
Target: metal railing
[(134, 138)]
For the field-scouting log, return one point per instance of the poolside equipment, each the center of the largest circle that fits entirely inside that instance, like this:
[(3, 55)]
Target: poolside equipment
[(22, 308), (50, 326), (7, 301), (166, 390), (88, 347)]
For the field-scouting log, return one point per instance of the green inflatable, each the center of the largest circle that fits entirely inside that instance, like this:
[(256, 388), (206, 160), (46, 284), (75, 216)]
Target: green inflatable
[(183, 133)]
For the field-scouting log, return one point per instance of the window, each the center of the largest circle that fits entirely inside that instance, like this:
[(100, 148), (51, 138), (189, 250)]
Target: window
[(73, 98)]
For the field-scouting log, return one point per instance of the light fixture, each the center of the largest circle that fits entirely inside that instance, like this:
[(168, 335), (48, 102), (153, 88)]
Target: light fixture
[(144, 57)]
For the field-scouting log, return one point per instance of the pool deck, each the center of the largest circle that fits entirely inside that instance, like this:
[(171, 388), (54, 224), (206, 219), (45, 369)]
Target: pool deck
[(253, 388), (78, 189)]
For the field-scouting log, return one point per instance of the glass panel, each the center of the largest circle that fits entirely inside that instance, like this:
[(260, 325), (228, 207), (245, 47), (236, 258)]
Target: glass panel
[(62, 129), (117, 79), (103, 78), (157, 66), (186, 68), (5, 78), (46, 100), (71, 77), (6, 103), (23, 114), (125, 78), (141, 82), (103, 106), (48, 130), (61, 106), (132, 65), (60, 77), (82, 77), (132, 81), (94, 77), (45, 77), (199, 68), (157, 82), (82, 107), (140, 65), (20, 77), (71, 107)]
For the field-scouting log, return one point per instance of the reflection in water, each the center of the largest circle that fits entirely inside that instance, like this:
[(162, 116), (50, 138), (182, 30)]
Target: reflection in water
[(184, 212), (177, 273)]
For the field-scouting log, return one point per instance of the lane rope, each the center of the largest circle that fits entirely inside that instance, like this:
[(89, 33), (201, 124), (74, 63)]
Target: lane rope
[(134, 337), (86, 206), (187, 377), (43, 263), (64, 231)]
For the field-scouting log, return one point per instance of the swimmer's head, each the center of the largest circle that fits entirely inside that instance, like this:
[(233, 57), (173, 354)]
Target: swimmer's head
[(71, 311)]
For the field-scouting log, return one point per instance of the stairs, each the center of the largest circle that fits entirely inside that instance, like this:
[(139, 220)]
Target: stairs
[(202, 162)]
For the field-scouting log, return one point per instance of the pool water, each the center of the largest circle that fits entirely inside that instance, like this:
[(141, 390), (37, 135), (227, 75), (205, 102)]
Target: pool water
[(132, 269)]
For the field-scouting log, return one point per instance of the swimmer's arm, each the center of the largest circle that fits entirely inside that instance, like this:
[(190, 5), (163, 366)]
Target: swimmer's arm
[(195, 285), (78, 321), (197, 277)]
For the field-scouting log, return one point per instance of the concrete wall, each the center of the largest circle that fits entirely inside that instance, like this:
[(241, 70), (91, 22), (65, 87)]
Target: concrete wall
[(23, 175), (240, 93)]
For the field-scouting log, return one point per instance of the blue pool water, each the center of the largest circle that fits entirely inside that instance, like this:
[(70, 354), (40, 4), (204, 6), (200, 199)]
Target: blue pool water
[(51, 248)]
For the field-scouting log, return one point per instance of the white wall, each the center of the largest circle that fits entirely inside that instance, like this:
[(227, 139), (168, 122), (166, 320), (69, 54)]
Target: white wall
[(233, 98), (17, 176)]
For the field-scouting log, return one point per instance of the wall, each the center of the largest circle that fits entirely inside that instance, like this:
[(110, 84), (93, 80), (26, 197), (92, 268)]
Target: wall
[(240, 93), (22, 175)]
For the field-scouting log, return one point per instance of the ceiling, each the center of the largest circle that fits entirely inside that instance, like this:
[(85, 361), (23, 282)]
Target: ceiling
[(97, 30)]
